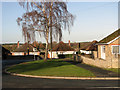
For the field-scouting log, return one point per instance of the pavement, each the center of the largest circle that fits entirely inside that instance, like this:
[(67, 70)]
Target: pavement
[(10, 81)]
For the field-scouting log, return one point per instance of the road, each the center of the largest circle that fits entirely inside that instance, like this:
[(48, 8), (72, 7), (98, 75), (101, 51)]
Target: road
[(9, 81)]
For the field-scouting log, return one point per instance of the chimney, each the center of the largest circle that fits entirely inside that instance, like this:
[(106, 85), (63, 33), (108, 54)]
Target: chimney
[(69, 42), (18, 44)]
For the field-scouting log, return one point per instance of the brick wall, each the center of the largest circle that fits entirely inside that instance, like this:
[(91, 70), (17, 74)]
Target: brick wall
[(99, 51), (95, 54), (100, 62), (111, 60)]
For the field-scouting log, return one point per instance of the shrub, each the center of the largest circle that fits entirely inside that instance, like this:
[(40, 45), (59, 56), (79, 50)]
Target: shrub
[(65, 56)]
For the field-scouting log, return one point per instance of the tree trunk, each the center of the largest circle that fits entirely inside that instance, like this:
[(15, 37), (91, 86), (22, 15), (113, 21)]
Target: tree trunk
[(51, 28), (46, 51), (51, 40)]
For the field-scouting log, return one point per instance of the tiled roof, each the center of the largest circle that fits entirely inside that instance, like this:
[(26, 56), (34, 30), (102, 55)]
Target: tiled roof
[(38, 45), (62, 47), (41, 46), (35, 44), (90, 47), (4, 50), (24, 48), (10, 47), (82, 45), (53, 44), (110, 37), (13, 47)]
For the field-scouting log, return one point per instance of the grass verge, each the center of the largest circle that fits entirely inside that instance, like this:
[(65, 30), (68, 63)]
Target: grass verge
[(50, 68)]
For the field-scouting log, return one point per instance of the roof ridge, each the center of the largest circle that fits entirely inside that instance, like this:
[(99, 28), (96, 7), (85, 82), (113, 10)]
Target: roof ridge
[(110, 37), (24, 47), (61, 46)]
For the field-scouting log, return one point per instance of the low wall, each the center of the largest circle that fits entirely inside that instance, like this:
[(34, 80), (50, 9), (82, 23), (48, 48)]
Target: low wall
[(100, 63), (116, 64)]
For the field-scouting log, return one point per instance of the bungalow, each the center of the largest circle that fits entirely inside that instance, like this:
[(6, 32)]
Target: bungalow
[(108, 52), (25, 49), (89, 48), (61, 48), (4, 52), (109, 48)]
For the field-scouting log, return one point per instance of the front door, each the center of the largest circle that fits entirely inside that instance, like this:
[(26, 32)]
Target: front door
[(103, 52)]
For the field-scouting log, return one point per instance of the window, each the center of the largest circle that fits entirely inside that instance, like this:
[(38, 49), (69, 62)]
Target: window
[(116, 49), (103, 49)]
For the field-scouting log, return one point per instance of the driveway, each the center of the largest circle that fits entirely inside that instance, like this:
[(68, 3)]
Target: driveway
[(9, 81), (98, 72)]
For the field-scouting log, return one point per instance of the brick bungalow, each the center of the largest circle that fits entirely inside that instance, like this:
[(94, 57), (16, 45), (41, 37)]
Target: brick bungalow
[(109, 48), (108, 53), (61, 48)]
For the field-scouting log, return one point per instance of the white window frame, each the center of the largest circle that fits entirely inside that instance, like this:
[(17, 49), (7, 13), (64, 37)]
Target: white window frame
[(112, 49)]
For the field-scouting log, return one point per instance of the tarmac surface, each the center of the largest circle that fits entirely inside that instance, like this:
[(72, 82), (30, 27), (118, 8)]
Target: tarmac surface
[(9, 81)]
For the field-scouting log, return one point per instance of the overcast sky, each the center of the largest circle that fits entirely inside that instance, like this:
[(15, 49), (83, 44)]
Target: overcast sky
[(94, 21)]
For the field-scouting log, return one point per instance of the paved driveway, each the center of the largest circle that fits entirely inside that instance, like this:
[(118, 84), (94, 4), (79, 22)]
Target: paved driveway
[(99, 72), (9, 81)]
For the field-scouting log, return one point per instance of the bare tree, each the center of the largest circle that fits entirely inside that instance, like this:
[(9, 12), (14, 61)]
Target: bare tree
[(45, 18)]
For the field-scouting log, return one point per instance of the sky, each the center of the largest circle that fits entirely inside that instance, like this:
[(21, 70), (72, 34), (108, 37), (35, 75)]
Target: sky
[(93, 21)]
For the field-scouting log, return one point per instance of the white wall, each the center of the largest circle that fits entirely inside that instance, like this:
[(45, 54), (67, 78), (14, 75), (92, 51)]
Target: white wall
[(22, 53), (18, 53), (56, 53), (86, 52), (33, 53), (66, 52)]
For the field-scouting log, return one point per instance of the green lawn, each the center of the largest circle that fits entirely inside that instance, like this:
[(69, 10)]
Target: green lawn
[(50, 68)]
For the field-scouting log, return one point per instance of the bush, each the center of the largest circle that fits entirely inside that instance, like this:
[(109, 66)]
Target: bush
[(82, 54), (68, 55), (65, 56), (61, 56), (78, 52)]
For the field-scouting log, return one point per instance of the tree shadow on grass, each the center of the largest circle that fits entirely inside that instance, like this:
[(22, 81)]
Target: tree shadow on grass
[(25, 67)]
